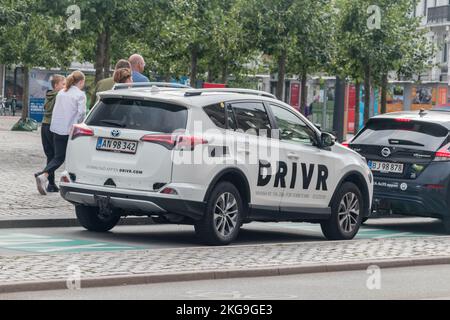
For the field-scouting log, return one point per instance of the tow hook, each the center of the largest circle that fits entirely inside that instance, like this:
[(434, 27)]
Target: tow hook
[(104, 205)]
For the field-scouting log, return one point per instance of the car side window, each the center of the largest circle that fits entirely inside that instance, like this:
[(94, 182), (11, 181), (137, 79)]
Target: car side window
[(251, 118), (292, 128), (216, 113)]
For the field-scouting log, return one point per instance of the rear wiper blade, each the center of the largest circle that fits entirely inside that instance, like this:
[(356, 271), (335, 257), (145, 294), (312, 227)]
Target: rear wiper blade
[(114, 123), (405, 143)]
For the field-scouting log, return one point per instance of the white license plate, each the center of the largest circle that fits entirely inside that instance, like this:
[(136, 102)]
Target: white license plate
[(114, 145), (386, 167)]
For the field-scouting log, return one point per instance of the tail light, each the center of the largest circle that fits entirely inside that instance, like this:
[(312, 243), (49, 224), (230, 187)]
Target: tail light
[(168, 141), (81, 130), (403, 120), (189, 142), (170, 191), (172, 142), (434, 186), (443, 154)]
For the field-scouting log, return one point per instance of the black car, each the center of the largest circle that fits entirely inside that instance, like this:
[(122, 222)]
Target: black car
[(409, 154)]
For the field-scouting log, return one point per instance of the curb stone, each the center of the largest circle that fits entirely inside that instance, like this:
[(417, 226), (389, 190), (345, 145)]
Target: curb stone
[(214, 275)]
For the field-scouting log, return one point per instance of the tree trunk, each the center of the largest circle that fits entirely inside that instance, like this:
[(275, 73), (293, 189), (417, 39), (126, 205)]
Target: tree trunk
[(281, 74), (384, 89), (100, 57), (367, 92), (357, 104), (194, 66), (224, 78), (304, 94), (26, 91), (107, 55), (210, 75)]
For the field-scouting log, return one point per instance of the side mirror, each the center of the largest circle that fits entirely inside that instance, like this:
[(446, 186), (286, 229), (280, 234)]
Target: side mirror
[(327, 140)]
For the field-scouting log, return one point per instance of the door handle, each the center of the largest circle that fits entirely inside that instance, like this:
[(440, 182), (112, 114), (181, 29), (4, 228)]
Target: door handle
[(245, 148), (292, 155), (246, 151)]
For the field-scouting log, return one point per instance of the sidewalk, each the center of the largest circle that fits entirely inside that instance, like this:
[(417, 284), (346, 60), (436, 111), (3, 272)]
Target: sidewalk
[(50, 272), (21, 206)]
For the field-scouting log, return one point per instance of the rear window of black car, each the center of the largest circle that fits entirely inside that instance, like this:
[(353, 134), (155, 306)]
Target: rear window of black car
[(138, 115), (403, 132)]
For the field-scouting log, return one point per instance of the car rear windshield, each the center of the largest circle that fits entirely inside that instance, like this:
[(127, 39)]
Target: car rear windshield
[(404, 133), (138, 115)]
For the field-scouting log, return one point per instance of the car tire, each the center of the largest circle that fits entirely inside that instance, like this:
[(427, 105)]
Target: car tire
[(346, 214), (91, 219), (222, 220)]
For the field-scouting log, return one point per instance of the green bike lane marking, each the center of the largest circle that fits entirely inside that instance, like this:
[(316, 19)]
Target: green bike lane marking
[(49, 244), (364, 232)]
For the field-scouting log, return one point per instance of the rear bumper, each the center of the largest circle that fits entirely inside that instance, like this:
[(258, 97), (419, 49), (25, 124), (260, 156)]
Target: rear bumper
[(408, 197), (142, 203)]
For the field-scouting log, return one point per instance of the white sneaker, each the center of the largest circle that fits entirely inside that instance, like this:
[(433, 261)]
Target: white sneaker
[(41, 183)]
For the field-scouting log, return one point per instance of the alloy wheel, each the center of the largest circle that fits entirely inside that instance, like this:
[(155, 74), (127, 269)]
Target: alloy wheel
[(349, 211), (226, 214)]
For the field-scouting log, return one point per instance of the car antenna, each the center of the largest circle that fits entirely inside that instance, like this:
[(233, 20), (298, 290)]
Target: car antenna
[(422, 112)]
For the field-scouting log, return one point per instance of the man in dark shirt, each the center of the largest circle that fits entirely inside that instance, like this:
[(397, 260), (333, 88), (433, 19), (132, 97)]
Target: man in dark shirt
[(108, 83), (58, 82)]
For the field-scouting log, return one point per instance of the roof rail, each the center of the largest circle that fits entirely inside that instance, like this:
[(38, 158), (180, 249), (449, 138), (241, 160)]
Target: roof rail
[(120, 86), (198, 92)]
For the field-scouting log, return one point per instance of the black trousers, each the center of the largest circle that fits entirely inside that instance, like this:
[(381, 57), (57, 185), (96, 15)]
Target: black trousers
[(60, 143), (48, 144)]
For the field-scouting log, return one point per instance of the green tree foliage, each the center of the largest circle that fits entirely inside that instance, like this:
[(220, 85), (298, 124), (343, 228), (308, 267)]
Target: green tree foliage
[(312, 46), (31, 38), (273, 24), (212, 39), (368, 49)]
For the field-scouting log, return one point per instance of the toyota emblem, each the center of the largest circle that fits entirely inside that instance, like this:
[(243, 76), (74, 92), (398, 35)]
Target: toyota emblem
[(115, 133), (386, 152)]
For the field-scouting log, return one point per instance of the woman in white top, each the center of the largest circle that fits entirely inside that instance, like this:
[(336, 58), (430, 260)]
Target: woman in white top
[(70, 109)]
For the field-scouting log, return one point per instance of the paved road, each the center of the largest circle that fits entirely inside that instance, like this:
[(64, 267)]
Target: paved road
[(69, 240), (429, 282), (21, 156)]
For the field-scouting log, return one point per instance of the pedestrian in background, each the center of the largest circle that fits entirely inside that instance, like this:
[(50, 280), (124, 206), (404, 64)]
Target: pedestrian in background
[(108, 83), (70, 109), (138, 67), (58, 83), (123, 76)]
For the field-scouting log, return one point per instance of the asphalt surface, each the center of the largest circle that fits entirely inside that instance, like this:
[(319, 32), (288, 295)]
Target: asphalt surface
[(76, 239), (429, 282)]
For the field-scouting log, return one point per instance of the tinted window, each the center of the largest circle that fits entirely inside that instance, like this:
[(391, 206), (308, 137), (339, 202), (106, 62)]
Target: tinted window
[(216, 113), (251, 117), (138, 115), (412, 134), (292, 128)]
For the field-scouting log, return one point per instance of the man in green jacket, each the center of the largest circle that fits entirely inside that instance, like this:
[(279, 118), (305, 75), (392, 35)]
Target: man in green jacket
[(58, 82), (108, 83)]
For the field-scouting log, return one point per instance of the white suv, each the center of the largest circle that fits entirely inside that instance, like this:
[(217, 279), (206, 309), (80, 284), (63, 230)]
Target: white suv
[(215, 159)]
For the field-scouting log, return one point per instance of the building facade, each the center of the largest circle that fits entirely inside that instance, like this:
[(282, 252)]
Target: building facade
[(435, 17)]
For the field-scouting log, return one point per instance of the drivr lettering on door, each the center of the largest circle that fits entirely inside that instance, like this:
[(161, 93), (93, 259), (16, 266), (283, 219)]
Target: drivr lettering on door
[(281, 178)]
